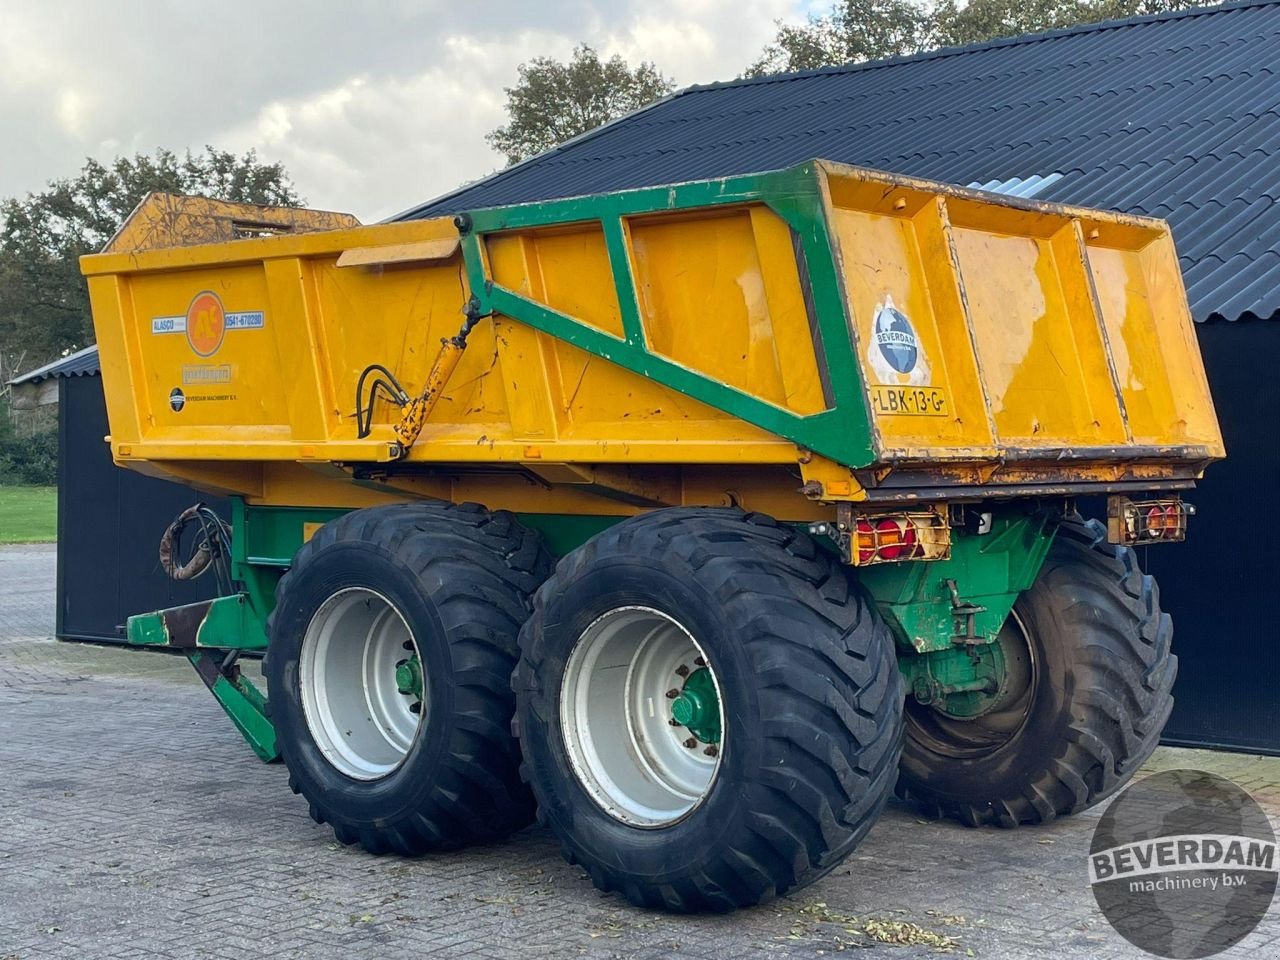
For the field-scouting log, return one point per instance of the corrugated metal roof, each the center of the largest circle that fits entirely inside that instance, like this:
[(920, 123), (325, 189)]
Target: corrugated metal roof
[(1175, 116), (82, 363)]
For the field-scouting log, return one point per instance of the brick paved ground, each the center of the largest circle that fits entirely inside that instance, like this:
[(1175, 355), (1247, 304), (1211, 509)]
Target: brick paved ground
[(26, 590), (135, 823)]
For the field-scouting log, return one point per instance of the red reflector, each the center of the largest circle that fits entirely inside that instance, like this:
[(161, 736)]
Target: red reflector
[(1163, 521), (889, 538), (1146, 521), (897, 538)]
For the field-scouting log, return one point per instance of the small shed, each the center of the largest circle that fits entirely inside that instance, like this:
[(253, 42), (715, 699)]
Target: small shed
[(109, 520)]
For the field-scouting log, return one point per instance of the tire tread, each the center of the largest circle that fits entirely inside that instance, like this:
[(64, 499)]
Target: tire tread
[(777, 586), (1122, 651), (480, 570)]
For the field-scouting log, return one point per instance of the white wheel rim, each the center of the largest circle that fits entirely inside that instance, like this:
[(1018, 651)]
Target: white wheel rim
[(361, 721), (616, 719)]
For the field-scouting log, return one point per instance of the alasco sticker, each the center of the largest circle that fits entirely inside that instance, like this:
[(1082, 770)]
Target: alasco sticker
[(205, 325), (897, 358), (207, 322)]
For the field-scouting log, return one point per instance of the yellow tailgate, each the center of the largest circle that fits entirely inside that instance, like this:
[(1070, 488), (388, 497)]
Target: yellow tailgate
[(1015, 330)]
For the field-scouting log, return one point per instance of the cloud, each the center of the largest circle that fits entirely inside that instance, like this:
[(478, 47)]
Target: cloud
[(377, 143), (372, 107)]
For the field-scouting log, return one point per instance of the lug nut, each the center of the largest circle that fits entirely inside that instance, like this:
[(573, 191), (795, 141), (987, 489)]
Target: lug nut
[(682, 670), (700, 662), (712, 750), (674, 723), (400, 663), (672, 693), (691, 743), (415, 707)]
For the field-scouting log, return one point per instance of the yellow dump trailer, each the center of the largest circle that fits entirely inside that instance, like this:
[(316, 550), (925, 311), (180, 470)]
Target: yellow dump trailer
[(764, 486)]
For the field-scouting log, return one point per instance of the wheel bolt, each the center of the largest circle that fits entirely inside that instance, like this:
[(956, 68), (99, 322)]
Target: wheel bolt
[(691, 743), (711, 751), (415, 707), (672, 693), (674, 723), (682, 671), (700, 661)]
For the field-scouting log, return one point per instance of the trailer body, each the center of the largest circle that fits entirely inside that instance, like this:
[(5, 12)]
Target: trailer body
[(889, 336), (785, 375)]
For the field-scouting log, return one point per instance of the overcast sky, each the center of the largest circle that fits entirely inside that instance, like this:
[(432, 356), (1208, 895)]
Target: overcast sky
[(371, 106)]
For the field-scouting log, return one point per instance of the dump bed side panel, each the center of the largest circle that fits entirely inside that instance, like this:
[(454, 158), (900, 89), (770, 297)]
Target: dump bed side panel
[(716, 291), (997, 330), (252, 350)]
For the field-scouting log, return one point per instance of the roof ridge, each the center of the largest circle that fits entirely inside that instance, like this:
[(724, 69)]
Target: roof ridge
[(942, 53)]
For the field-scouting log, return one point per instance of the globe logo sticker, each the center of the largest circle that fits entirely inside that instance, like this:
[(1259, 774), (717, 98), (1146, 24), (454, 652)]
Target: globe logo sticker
[(895, 352), (896, 338), (177, 399), (1183, 864)]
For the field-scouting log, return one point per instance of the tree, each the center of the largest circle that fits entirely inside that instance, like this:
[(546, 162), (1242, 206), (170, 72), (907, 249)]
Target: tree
[(554, 102), (980, 20), (854, 30), (44, 306), (858, 30)]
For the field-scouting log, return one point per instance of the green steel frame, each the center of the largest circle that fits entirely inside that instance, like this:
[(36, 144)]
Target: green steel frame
[(987, 570), (842, 432)]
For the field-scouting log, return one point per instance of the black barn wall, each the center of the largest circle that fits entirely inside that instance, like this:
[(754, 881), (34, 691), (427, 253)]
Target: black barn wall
[(109, 522), (1220, 586)]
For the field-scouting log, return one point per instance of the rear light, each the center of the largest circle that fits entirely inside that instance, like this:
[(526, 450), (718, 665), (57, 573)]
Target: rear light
[(889, 537), (1135, 522)]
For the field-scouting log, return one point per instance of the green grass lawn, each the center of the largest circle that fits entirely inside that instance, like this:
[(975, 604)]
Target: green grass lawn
[(28, 514)]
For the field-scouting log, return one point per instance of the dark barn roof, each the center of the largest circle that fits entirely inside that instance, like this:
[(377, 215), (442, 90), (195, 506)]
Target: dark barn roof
[(1175, 116)]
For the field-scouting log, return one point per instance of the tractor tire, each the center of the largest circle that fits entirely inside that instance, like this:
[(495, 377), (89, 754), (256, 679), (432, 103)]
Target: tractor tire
[(787, 749), (1089, 715), (435, 767)]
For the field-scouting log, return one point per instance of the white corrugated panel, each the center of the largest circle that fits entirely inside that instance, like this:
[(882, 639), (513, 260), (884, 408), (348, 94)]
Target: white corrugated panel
[(1018, 186)]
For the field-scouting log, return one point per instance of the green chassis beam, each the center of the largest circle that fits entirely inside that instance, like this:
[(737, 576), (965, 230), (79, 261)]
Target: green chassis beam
[(988, 570), (842, 433), (225, 623), (205, 631), (242, 701)]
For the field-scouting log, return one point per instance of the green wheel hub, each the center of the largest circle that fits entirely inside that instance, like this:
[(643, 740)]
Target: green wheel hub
[(409, 677), (697, 707)]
